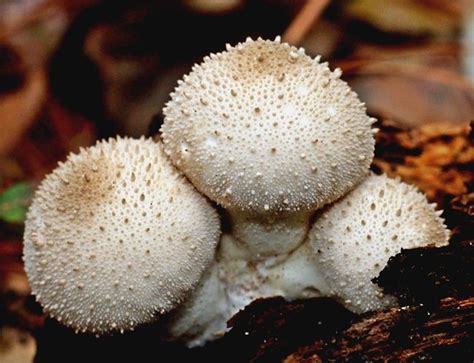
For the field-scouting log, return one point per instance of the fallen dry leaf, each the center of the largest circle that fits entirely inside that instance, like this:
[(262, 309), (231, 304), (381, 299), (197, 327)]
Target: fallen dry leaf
[(16, 346), (438, 158), (414, 85), (20, 108), (464, 204), (407, 16)]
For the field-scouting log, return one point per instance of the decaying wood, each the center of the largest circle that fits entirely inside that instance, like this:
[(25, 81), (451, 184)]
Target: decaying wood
[(405, 334)]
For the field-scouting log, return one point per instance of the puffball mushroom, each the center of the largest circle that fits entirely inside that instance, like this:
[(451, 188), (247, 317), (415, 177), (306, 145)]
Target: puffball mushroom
[(266, 130), (354, 238), (116, 236)]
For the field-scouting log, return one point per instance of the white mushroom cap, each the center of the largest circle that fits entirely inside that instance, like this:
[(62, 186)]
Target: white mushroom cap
[(354, 238), (262, 127), (115, 236)]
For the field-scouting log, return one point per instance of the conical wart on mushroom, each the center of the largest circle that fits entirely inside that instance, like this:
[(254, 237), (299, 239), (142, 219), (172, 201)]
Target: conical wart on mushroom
[(354, 238), (116, 237), (269, 133)]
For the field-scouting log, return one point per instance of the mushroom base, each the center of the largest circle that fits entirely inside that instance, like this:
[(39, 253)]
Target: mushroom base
[(235, 280), (270, 235)]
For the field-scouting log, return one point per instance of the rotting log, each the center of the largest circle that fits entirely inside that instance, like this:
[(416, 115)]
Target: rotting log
[(404, 334)]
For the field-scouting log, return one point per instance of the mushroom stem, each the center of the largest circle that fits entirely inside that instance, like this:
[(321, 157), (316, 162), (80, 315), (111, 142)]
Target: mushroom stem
[(266, 235), (299, 276), (203, 316), (233, 282)]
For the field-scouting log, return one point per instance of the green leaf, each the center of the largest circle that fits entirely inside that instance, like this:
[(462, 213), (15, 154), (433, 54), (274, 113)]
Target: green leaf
[(14, 202)]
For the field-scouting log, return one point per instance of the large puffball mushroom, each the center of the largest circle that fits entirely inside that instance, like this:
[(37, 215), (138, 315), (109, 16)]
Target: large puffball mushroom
[(354, 238), (116, 236), (264, 128)]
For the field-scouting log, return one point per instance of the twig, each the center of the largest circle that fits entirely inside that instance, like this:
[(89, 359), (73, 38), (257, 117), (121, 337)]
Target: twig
[(306, 17)]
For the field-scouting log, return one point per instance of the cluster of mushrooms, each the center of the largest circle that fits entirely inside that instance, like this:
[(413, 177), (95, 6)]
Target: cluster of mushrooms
[(122, 233)]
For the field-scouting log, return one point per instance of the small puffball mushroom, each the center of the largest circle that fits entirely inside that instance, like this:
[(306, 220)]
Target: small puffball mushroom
[(116, 236), (264, 128), (354, 238)]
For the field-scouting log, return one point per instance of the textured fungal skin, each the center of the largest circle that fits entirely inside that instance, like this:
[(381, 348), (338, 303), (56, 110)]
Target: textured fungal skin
[(291, 275), (269, 235), (203, 316), (235, 280), (116, 236), (264, 128), (299, 276), (354, 238)]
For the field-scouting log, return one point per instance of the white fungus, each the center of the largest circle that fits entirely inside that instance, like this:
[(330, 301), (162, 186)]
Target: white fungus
[(245, 278), (230, 285), (299, 276), (270, 235), (203, 316), (264, 128), (354, 238), (115, 237), (238, 278)]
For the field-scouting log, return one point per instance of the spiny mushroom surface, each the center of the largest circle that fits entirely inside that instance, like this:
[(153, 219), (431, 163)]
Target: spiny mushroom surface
[(354, 238), (264, 128), (115, 236)]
